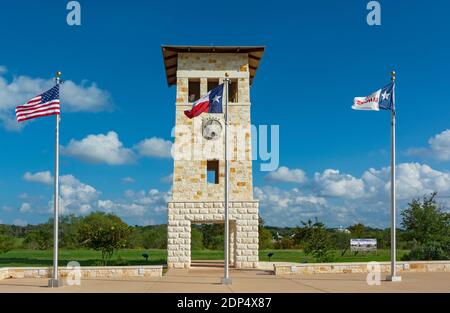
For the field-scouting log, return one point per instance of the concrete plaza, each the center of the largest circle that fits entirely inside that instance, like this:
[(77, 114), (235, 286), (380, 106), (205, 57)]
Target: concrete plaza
[(207, 280)]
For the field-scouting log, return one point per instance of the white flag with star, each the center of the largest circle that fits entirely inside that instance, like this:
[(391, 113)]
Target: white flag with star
[(380, 99)]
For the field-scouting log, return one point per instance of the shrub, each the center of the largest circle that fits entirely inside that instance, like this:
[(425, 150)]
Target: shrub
[(6, 243), (196, 239), (427, 227), (284, 243), (40, 238), (103, 232), (317, 241), (265, 238), (155, 237), (427, 252)]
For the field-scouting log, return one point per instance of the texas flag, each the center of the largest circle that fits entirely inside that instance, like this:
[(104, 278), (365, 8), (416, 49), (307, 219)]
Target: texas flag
[(381, 99), (211, 103)]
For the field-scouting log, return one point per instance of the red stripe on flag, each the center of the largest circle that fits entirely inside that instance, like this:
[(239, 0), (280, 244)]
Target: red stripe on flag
[(29, 107), (37, 107), (37, 111), (55, 112), (197, 109), (32, 101)]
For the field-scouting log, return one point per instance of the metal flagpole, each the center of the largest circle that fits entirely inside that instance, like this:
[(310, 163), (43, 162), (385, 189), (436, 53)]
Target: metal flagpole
[(226, 280), (54, 281), (393, 276)]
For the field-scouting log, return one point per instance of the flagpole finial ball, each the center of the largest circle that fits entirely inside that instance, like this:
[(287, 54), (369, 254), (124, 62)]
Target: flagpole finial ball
[(393, 75), (58, 74)]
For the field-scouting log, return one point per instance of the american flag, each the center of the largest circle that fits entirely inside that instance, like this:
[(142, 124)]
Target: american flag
[(42, 105)]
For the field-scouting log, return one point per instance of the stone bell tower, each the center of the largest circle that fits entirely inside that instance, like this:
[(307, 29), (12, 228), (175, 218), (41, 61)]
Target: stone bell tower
[(199, 167)]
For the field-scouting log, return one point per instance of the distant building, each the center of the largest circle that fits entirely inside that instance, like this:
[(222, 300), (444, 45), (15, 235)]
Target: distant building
[(343, 230)]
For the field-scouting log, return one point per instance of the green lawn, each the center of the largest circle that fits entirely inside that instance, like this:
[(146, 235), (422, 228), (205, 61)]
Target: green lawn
[(18, 258)]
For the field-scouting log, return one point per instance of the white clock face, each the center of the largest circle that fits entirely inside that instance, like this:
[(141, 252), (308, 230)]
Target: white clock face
[(212, 129)]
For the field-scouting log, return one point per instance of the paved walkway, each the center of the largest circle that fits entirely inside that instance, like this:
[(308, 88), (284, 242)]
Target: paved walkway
[(207, 280)]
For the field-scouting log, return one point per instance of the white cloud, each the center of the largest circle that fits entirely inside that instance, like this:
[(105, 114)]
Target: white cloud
[(3, 69), (75, 196), (39, 177), (167, 179), (100, 148), (7, 208), (25, 207), (154, 147), (342, 199), (332, 183), (439, 147), (84, 97), (289, 207), (127, 180), (284, 174), (20, 222), (414, 179), (152, 203)]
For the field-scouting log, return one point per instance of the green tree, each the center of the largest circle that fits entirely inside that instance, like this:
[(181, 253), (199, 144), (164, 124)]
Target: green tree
[(212, 236), (265, 236), (6, 243), (68, 230), (155, 237), (317, 241), (357, 230), (103, 232), (428, 228), (285, 242), (196, 239), (40, 238), (341, 241)]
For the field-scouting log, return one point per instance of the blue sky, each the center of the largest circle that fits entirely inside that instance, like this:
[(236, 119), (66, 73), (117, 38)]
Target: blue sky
[(319, 55)]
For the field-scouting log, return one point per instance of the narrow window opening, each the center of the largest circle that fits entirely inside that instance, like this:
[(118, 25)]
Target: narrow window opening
[(212, 83), (233, 91), (212, 172), (194, 90)]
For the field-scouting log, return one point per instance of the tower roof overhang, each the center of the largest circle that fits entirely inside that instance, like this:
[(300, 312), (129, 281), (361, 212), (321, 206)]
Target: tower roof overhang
[(170, 55)]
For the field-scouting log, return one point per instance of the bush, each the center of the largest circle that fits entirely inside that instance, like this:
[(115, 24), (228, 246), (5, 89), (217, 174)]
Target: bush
[(425, 222), (341, 241), (212, 236), (103, 232), (68, 230), (265, 238), (196, 239), (427, 227), (40, 238), (427, 252), (284, 243), (155, 237), (316, 240), (6, 243)]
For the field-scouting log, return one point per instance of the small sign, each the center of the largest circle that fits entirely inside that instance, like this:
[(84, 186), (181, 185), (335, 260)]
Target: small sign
[(363, 245)]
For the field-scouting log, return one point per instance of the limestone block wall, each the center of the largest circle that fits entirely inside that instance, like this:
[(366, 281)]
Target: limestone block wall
[(194, 200), (244, 227), (361, 267), (85, 272), (191, 150), (191, 153)]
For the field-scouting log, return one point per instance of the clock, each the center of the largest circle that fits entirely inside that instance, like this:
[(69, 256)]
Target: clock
[(212, 129)]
